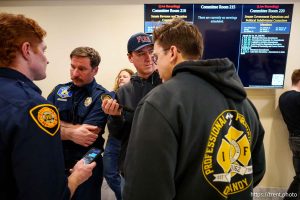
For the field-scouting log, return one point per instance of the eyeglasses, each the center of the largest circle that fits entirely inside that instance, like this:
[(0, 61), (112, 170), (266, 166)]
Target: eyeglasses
[(154, 57)]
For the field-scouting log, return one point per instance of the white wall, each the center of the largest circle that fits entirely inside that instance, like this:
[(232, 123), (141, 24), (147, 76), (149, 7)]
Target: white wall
[(107, 26)]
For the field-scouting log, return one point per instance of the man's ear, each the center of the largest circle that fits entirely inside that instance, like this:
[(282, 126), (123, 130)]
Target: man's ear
[(25, 50), (129, 55), (174, 53), (95, 70), (298, 85)]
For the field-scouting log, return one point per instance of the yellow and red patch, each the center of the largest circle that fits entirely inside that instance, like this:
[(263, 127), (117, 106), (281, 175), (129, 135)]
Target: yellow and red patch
[(46, 117)]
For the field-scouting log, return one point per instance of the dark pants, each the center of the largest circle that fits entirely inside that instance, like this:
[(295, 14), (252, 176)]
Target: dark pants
[(91, 189), (295, 185)]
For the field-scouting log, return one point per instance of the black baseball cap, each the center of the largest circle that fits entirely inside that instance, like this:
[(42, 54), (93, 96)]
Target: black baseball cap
[(138, 41)]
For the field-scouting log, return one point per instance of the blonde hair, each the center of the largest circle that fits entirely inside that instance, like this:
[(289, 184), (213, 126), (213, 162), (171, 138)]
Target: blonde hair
[(116, 85)]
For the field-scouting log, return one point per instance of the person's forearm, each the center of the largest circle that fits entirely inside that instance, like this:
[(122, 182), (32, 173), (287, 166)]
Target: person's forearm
[(82, 134), (73, 183), (79, 174), (66, 130)]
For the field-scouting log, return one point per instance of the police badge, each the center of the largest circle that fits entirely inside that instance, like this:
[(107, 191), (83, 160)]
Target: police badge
[(88, 101)]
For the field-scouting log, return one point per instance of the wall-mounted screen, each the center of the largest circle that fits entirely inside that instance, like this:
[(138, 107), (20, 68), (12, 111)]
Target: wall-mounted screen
[(254, 36)]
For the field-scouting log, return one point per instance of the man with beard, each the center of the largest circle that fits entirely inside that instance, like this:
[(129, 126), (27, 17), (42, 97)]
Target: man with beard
[(82, 118)]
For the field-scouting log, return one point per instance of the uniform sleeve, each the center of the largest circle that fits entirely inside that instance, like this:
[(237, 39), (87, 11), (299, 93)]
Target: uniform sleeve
[(151, 157), (37, 158), (96, 116)]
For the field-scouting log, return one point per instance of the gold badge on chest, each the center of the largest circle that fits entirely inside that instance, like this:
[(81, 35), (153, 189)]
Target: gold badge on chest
[(88, 101)]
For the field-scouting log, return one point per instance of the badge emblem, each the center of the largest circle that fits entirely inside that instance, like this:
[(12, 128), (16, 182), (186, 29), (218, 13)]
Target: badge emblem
[(227, 160), (64, 92), (88, 101), (46, 117), (105, 96)]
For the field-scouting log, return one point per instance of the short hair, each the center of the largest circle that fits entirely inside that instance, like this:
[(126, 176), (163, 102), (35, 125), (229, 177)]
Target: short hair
[(116, 86), (89, 52), (14, 31), (295, 76), (185, 36)]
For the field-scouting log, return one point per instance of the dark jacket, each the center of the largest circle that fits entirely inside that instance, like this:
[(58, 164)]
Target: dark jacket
[(196, 136), (289, 104), (31, 157), (129, 96)]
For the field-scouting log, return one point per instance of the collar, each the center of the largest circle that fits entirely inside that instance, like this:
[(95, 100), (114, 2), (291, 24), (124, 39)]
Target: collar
[(14, 74), (153, 78), (88, 87)]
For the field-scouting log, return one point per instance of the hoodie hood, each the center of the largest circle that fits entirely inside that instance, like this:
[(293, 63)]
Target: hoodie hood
[(219, 72)]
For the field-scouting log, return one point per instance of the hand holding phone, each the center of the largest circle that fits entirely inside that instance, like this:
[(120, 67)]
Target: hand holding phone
[(91, 155)]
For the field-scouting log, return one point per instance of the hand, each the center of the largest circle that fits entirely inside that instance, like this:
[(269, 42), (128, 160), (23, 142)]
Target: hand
[(111, 107), (79, 174), (85, 134)]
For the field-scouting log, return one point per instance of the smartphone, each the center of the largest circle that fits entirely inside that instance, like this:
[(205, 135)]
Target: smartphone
[(91, 155)]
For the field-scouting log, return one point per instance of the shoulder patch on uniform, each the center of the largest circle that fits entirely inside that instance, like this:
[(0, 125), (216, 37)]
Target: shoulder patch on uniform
[(46, 117), (64, 92)]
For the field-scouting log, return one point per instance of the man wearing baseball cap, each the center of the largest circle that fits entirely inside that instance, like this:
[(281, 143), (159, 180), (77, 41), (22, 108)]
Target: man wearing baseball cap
[(139, 47)]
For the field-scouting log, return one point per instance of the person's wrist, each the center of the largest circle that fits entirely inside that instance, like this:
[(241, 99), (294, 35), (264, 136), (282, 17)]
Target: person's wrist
[(69, 134), (73, 183), (117, 117), (75, 179), (63, 133)]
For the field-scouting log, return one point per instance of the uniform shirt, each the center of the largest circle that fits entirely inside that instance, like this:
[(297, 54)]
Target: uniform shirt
[(79, 105), (31, 157)]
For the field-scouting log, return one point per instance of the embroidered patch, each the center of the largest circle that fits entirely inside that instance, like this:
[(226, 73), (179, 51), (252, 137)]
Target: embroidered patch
[(226, 164), (88, 101), (64, 92), (46, 117)]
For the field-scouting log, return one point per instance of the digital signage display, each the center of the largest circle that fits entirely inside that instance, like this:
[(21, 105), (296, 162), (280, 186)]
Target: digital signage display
[(255, 37)]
